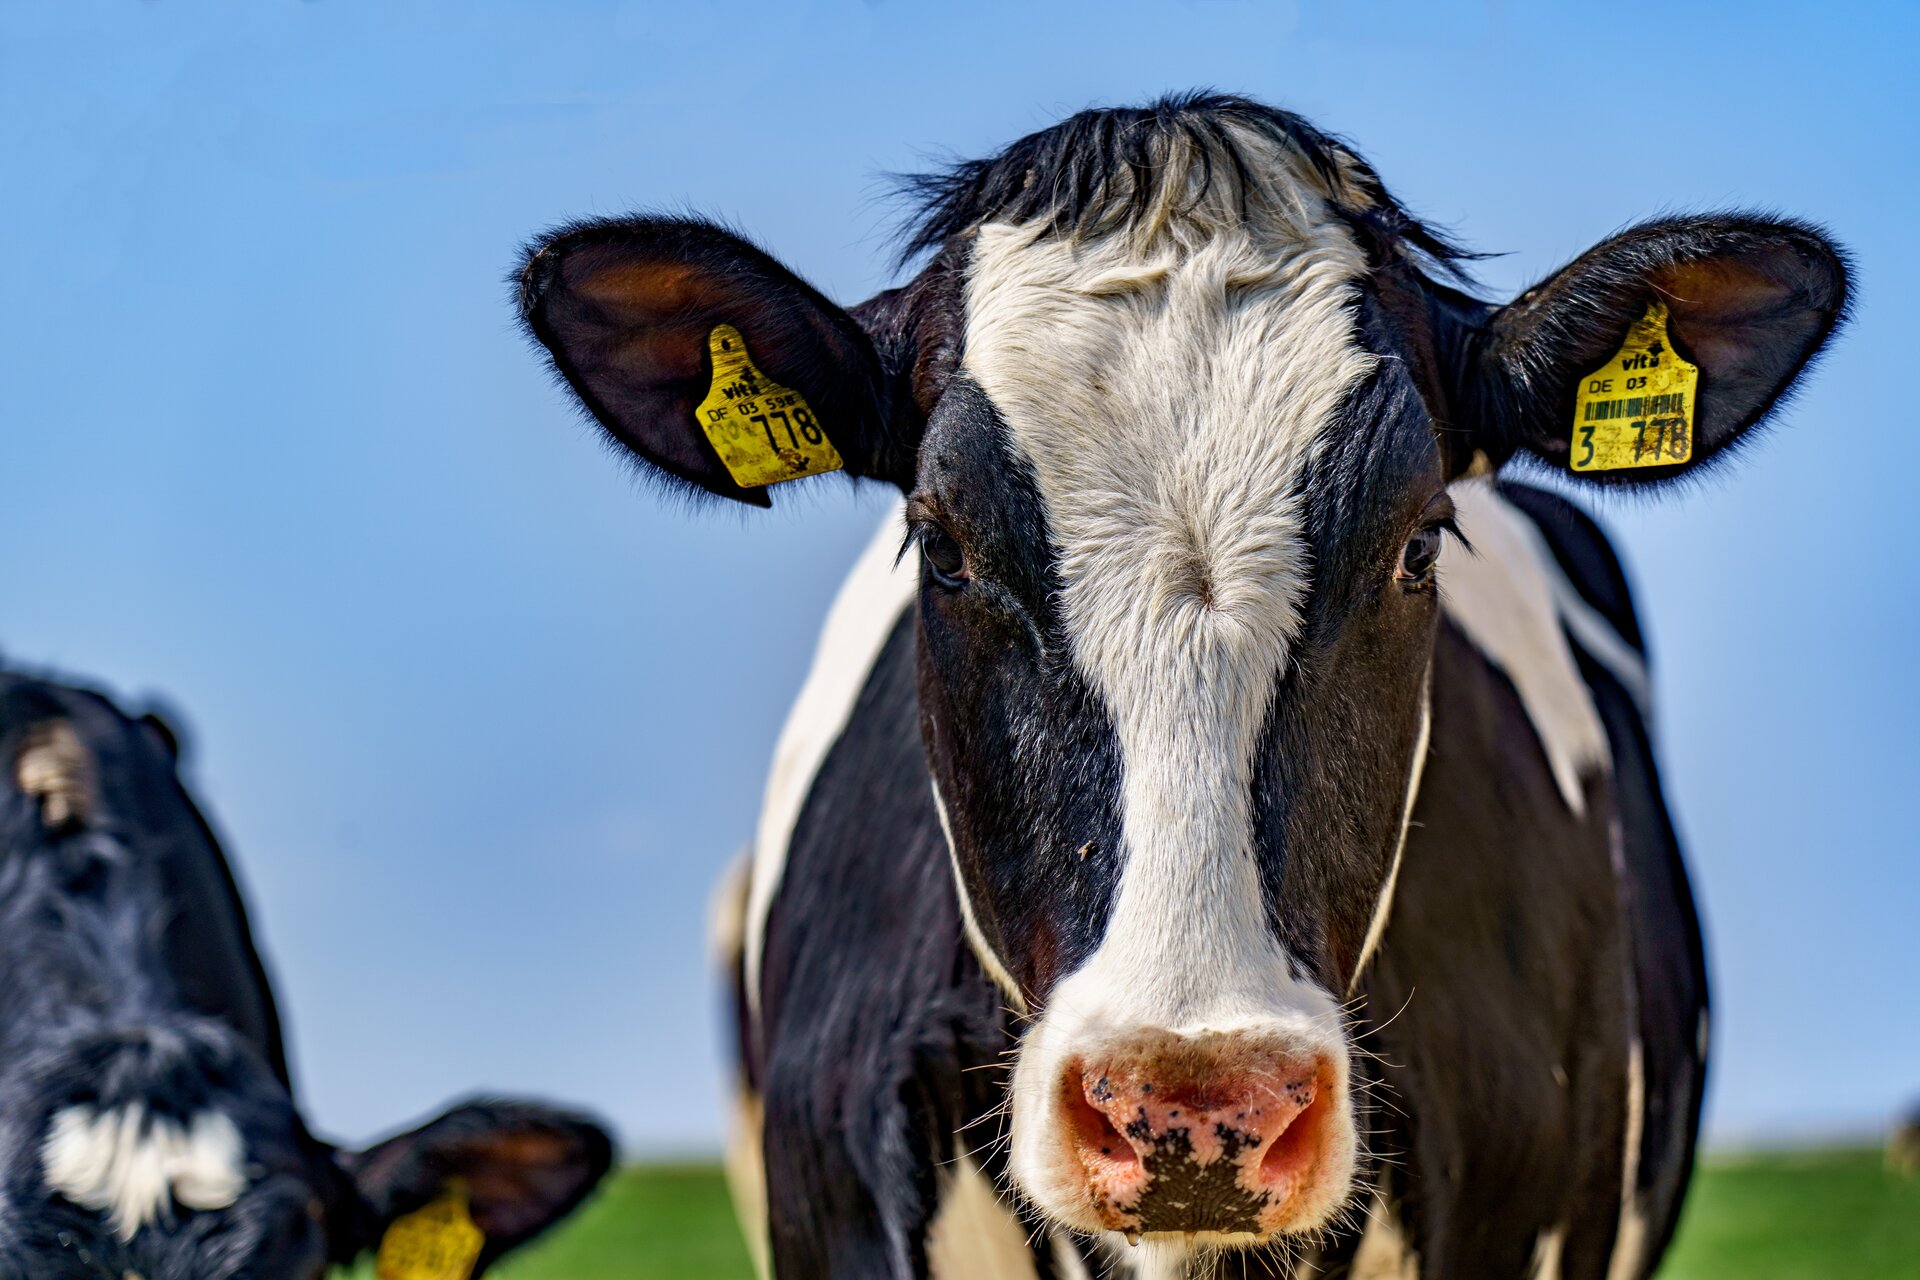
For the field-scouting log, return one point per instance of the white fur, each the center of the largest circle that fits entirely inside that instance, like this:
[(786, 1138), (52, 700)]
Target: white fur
[(1067, 1262), (863, 615), (1155, 1258), (1629, 1241), (973, 1236), (1170, 387), (743, 1162), (727, 913), (55, 766), (1547, 1250), (1502, 595), (746, 1169), (1602, 643), (1385, 1253), (134, 1166), (969, 922)]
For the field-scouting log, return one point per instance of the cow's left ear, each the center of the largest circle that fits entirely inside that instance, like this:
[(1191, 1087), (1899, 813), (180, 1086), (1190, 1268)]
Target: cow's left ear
[(1748, 301), (512, 1168), (708, 359)]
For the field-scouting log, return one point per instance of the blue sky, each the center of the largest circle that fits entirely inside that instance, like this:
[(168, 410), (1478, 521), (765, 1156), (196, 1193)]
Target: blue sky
[(483, 719)]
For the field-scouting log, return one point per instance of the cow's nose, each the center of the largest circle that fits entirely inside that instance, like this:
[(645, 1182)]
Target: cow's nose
[(1225, 1139)]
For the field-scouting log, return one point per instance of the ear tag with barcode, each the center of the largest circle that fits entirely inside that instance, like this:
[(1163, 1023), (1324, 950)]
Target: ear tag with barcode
[(435, 1242), (764, 432), (1638, 409)]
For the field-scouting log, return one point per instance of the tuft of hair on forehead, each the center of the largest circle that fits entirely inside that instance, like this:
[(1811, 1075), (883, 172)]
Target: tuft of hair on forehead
[(55, 768), (1201, 158)]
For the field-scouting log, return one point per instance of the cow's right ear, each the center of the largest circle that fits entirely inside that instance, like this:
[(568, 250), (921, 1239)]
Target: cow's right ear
[(635, 311)]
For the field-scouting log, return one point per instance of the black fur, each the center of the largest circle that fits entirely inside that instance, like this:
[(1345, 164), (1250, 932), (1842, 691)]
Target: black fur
[(1095, 172), (877, 1025)]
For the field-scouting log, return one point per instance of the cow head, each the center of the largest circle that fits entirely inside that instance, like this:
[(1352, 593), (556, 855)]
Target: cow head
[(142, 1138), (1175, 403)]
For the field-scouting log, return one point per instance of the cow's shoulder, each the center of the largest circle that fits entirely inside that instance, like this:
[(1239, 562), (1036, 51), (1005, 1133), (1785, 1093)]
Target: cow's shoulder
[(1584, 553), (865, 615)]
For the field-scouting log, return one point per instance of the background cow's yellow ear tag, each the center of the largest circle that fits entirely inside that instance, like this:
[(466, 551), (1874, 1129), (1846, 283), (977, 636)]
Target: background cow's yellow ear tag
[(764, 432), (435, 1242), (1638, 409)]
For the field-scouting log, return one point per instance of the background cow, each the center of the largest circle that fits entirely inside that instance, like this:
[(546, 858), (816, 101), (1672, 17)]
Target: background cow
[(147, 1122), (1236, 833)]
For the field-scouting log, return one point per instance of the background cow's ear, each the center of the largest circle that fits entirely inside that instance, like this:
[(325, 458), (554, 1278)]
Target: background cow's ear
[(165, 729), (522, 1167), (627, 309), (1750, 301)]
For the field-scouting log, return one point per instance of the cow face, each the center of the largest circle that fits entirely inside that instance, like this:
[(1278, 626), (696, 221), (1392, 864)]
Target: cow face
[(1174, 406), (142, 1138)]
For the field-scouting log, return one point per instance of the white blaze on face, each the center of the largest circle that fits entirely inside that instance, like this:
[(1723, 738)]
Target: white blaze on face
[(134, 1166), (1170, 390)]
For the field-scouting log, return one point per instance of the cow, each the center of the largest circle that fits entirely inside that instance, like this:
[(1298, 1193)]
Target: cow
[(148, 1125), (1228, 840)]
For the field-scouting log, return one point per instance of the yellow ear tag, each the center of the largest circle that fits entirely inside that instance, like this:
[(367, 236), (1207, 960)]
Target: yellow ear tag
[(1637, 410), (435, 1242), (764, 432)]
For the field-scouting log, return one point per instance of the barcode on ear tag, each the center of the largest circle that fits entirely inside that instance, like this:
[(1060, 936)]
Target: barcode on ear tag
[(1638, 409), (763, 432), (438, 1241)]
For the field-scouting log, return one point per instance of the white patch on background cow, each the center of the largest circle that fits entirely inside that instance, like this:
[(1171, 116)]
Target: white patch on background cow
[(862, 617), (1170, 386), (1502, 596), (1383, 908), (973, 1235), (134, 1166)]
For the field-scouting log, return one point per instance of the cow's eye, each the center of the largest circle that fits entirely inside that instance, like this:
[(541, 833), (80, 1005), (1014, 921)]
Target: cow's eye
[(944, 556), (1417, 558)]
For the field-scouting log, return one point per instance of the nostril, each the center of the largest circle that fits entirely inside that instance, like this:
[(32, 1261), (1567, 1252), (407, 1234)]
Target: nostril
[(1094, 1135), (1292, 1153)]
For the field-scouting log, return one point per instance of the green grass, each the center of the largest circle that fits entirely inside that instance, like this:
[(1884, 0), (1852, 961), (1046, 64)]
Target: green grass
[(1808, 1216), (656, 1223), (650, 1222), (1776, 1217)]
